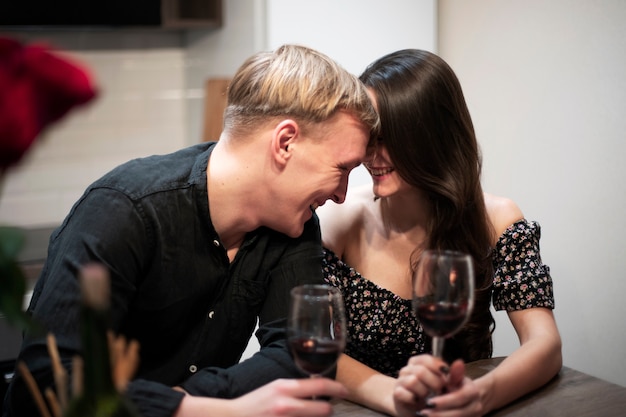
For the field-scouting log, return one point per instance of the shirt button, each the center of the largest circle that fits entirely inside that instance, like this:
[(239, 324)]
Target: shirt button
[(193, 369), (211, 314), (216, 242)]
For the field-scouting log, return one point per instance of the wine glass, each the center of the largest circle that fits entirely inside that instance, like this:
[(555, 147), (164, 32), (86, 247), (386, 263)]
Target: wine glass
[(443, 294), (316, 328)]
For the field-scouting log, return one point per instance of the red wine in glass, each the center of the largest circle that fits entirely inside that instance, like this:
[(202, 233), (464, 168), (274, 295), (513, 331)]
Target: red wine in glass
[(315, 356), (443, 293), (316, 328), (441, 319)]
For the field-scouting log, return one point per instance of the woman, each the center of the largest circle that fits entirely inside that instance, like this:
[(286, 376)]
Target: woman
[(427, 194)]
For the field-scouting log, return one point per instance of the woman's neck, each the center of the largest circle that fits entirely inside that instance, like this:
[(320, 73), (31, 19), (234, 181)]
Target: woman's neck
[(407, 213)]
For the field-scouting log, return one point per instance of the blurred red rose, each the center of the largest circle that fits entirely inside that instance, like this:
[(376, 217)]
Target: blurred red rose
[(37, 88)]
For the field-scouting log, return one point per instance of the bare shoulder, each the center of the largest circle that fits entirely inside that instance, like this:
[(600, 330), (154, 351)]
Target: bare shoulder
[(340, 222), (502, 212)]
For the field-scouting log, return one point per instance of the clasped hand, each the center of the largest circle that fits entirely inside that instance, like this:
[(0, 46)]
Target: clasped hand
[(455, 394)]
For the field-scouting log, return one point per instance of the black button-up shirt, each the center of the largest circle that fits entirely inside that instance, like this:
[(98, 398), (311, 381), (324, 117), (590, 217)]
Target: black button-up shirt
[(173, 286)]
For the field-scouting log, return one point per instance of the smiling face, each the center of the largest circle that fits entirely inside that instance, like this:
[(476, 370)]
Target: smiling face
[(320, 161), (386, 180)]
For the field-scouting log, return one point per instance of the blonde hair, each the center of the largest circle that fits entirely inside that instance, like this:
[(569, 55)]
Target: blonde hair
[(297, 82)]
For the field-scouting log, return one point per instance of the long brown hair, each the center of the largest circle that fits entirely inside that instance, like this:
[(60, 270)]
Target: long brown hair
[(427, 130)]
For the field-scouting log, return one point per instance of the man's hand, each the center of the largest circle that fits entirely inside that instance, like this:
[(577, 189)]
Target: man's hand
[(280, 398)]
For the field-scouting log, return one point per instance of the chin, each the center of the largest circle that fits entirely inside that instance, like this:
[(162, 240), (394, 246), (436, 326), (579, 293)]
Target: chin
[(385, 191), (295, 233), (293, 230), (379, 192), (297, 229)]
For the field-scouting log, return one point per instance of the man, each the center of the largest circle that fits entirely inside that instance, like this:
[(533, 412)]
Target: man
[(203, 242)]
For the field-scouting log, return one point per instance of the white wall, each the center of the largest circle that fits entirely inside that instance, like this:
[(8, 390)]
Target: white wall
[(220, 52), (545, 82), (353, 32)]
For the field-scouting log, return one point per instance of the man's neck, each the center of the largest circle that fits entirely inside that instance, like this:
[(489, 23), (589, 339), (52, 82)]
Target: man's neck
[(231, 198)]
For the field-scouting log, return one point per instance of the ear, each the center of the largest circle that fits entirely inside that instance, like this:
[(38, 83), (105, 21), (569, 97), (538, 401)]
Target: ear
[(284, 136)]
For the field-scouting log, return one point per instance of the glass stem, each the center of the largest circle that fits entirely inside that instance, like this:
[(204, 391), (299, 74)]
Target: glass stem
[(313, 376), (438, 346), (438, 353)]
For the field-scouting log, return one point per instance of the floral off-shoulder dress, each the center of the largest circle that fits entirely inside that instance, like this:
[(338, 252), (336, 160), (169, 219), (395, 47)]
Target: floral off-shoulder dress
[(383, 333)]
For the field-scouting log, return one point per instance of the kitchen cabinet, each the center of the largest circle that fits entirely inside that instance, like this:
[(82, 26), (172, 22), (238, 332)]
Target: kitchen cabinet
[(78, 14)]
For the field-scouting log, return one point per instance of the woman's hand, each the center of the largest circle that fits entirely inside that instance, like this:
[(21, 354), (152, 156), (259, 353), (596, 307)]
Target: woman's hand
[(283, 397), (456, 395)]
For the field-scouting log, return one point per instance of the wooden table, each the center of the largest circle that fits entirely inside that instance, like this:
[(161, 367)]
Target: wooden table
[(570, 394)]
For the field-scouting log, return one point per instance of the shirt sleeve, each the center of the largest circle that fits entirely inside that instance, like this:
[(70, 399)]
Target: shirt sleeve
[(301, 264), (90, 233), (272, 362), (153, 399), (521, 279)]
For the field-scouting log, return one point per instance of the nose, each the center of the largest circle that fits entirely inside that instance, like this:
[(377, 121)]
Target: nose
[(340, 194), (338, 198)]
